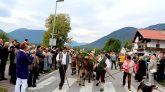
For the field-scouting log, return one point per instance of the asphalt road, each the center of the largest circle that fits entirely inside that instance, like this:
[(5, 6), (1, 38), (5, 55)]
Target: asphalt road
[(50, 82)]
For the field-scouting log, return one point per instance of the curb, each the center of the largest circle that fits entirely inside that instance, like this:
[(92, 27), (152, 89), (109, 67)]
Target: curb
[(162, 88), (160, 85)]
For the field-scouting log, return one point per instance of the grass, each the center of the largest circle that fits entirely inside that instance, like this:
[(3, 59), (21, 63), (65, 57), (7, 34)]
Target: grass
[(3, 90), (162, 83), (8, 62)]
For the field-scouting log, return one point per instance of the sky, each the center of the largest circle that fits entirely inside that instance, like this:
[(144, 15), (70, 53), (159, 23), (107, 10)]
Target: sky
[(90, 19)]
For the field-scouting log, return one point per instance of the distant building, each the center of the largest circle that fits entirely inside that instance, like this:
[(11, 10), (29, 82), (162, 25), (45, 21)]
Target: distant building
[(149, 40)]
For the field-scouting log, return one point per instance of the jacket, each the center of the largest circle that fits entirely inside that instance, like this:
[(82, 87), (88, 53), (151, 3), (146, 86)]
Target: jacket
[(22, 61)]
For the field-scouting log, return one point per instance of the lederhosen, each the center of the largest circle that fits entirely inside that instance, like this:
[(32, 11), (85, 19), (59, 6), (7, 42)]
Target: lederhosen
[(100, 70)]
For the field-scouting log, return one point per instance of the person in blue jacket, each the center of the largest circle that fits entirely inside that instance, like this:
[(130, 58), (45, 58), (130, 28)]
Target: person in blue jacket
[(23, 59)]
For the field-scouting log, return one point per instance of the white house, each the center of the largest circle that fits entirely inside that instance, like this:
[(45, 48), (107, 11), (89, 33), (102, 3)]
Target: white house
[(149, 40)]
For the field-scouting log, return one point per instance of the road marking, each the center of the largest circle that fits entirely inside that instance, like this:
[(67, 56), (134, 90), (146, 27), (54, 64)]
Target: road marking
[(44, 83), (132, 88), (108, 87), (87, 88), (65, 86)]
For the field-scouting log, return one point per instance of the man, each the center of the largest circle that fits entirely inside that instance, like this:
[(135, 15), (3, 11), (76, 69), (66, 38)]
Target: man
[(4, 58), (63, 58), (103, 65), (40, 55), (1, 44), (12, 67), (113, 59)]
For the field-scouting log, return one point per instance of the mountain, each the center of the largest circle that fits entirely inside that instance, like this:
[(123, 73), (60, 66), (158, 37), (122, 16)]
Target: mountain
[(1, 30), (122, 34), (157, 27), (74, 44), (34, 36), (6, 33)]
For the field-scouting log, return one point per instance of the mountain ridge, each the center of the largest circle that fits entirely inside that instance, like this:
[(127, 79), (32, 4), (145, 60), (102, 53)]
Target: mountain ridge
[(34, 36), (127, 34)]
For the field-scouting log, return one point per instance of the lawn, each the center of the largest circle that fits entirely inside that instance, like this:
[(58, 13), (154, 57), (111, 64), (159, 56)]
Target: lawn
[(3, 90), (162, 83)]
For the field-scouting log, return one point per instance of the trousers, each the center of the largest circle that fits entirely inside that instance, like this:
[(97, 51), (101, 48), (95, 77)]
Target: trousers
[(21, 85)]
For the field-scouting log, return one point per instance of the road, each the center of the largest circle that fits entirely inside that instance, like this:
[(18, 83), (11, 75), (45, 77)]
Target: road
[(50, 83)]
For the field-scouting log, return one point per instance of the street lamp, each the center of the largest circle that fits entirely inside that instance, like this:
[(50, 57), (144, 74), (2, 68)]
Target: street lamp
[(52, 41)]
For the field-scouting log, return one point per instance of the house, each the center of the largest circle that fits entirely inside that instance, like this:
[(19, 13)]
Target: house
[(149, 40)]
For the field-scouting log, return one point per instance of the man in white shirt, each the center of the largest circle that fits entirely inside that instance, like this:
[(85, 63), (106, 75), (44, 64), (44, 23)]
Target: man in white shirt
[(103, 65), (63, 60)]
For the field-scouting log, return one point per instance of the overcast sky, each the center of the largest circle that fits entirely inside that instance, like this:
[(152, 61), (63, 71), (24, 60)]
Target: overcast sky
[(90, 19)]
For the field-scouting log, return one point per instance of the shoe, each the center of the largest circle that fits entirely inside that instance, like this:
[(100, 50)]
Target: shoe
[(60, 87), (138, 81), (4, 78), (97, 84), (34, 86), (129, 89), (29, 85), (101, 89)]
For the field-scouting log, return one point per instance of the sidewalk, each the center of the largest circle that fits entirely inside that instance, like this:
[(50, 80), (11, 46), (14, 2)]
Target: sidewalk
[(6, 83), (9, 87)]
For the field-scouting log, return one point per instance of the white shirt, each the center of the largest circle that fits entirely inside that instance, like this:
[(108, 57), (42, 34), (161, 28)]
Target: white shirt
[(63, 62), (63, 59)]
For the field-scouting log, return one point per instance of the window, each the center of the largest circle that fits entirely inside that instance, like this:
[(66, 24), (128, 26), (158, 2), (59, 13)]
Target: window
[(157, 45)]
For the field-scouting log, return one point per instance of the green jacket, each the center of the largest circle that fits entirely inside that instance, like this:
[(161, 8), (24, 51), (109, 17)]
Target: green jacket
[(102, 64)]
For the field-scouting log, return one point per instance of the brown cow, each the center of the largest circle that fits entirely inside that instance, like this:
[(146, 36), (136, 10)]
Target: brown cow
[(84, 67)]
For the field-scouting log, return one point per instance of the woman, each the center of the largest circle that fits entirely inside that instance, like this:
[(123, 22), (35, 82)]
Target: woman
[(34, 67), (122, 58), (22, 72), (45, 52), (141, 69), (161, 68), (50, 56), (152, 68), (128, 66)]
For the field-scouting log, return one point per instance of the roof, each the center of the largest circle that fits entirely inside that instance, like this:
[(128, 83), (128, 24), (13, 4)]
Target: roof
[(152, 34)]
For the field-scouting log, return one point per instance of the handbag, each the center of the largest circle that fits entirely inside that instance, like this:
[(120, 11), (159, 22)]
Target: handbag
[(153, 71)]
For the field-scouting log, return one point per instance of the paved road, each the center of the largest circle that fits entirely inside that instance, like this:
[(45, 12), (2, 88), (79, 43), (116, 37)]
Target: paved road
[(50, 83)]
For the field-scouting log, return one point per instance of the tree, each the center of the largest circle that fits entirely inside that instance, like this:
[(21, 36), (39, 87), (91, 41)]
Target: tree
[(62, 28), (112, 45), (4, 36), (128, 45)]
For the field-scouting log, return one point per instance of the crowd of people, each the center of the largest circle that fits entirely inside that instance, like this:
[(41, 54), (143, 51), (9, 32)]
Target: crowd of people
[(27, 62), (151, 67)]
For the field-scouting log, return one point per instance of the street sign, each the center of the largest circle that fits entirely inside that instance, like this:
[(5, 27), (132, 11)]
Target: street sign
[(52, 42)]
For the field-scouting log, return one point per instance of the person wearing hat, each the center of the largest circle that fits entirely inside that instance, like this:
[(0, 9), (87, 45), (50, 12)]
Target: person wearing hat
[(63, 59), (103, 65)]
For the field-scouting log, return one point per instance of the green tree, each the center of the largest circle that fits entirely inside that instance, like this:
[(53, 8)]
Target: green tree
[(62, 28), (128, 45), (4, 36), (112, 45)]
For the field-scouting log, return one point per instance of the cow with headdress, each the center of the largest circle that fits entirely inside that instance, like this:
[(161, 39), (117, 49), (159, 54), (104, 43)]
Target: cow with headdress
[(84, 63)]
